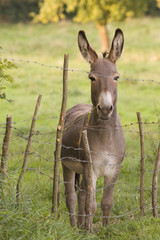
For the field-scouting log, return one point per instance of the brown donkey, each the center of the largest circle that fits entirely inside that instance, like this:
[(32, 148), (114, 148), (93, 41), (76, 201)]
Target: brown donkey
[(104, 131)]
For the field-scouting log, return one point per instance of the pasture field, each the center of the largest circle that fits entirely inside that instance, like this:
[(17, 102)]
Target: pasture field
[(47, 44)]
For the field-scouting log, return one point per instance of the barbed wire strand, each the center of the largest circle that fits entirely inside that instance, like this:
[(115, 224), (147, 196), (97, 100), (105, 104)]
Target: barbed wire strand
[(37, 171), (103, 217), (84, 161), (73, 70), (82, 116)]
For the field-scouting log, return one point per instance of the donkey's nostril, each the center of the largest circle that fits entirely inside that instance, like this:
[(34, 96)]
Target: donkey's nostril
[(111, 108), (99, 107), (105, 109)]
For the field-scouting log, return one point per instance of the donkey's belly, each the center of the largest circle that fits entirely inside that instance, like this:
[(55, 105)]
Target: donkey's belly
[(105, 164), (73, 165)]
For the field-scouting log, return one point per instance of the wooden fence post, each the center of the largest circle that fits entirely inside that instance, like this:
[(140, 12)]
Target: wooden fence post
[(56, 178), (88, 179), (142, 170), (5, 149), (5, 146), (59, 196), (25, 162), (155, 184)]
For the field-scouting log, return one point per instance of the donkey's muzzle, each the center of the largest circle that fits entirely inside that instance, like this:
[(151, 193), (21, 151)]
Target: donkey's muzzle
[(104, 112)]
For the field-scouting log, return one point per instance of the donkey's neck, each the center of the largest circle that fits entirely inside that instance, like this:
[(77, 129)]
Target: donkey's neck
[(98, 123), (102, 131)]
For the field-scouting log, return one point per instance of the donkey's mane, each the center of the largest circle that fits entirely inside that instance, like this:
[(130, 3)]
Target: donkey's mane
[(104, 54)]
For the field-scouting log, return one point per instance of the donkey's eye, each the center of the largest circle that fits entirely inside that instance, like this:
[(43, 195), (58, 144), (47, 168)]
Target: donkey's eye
[(92, 78), (116, 78)]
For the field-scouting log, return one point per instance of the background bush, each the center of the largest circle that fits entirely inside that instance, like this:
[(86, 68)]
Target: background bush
[(17, 10)]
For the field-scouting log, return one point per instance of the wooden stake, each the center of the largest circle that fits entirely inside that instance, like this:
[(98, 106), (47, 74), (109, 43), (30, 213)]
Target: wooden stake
[(142, 171), (25, 162), (88, 179), (155, 184), (5, 149), (59, 197), (60, 127), (5, 146)]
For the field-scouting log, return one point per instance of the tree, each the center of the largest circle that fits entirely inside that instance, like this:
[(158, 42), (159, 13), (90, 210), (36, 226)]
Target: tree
[(17, 10), (99, 11), (158, 3), (50, 11), (104, 11), (4, 66)]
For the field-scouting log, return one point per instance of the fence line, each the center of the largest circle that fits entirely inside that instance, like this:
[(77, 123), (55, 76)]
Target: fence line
[(73, 70), (116, 216), (89, 127), (97, 189), (48, 142), (83, 161), (38, 133), (100, 189), (102, 217), (53, 133), (126, 155), (37, 171), (77, 149), (24, 136), (94, 128), (52, 117)]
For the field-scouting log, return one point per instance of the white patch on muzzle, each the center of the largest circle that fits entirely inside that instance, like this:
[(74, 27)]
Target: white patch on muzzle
[(105, 103), (106, 99)]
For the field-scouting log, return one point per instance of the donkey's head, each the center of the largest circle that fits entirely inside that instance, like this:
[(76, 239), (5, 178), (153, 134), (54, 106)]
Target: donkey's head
[(103, 74)]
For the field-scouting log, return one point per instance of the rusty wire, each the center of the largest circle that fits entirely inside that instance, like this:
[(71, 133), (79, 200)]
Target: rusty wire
[(73, 70)]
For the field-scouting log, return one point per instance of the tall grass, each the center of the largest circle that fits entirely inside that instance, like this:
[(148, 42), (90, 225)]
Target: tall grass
[(47, 45)]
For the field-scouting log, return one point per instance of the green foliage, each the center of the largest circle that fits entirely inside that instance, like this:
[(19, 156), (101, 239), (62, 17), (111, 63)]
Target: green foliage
[(50, 11), (158, 3), (83, 10), (17, 10), (4, 66), (153, 8), (101, 11)]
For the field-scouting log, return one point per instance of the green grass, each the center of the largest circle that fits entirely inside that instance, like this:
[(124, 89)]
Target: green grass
[(47, 45)]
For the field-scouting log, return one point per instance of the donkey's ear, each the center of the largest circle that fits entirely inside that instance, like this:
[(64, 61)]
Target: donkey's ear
[(86, 50), (117, 46)]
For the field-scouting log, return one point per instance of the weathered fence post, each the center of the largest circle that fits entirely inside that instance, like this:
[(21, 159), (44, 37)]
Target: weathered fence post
[(56, 179), (24, 167), (5, 146), (59, 196), (155, 184), (142, 170), (88, 180)]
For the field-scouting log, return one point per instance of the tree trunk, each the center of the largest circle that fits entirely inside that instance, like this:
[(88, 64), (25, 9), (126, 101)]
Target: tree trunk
[(104, 37)]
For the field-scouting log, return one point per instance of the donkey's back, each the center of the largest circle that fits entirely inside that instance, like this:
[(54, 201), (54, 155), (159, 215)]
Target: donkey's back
[(74, 125)]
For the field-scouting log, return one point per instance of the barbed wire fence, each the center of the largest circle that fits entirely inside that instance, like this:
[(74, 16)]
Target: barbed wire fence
[(74, 70), (33, 138)]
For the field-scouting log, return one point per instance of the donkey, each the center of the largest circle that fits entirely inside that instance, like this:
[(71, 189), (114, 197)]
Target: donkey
[(104, 132)]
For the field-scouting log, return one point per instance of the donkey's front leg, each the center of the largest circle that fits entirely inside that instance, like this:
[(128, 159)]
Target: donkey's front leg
[(71, 197), (107, 199), (81, 204), (82, 201)]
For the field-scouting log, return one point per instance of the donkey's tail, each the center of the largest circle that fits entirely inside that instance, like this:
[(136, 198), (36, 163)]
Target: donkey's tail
[(77, 181)]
